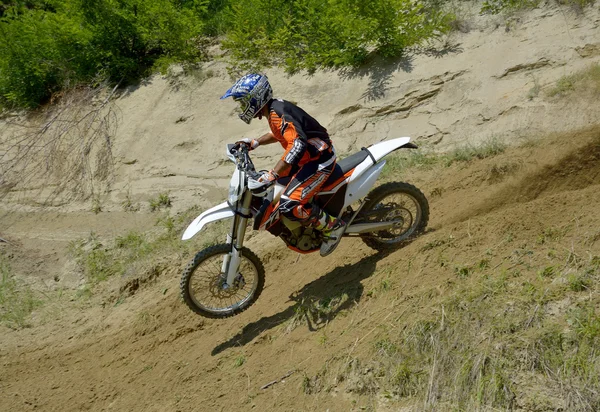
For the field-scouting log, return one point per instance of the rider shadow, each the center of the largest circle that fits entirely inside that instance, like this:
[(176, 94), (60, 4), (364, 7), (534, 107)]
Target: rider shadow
[(317, 303)]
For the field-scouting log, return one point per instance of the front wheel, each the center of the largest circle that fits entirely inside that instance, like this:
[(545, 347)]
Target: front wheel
[(399, 202), (204, 284)]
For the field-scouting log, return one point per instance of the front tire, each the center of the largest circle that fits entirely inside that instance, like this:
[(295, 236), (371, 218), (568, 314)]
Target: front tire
[(395, 201), (203, 284)]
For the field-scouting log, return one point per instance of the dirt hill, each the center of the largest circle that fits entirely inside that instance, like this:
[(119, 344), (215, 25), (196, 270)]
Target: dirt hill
[(495, 307)]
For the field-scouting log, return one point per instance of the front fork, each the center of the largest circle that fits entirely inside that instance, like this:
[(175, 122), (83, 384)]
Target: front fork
[(235, 237)]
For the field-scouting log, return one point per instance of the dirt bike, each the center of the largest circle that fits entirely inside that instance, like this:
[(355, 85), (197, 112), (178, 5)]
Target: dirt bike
[(225, 279)]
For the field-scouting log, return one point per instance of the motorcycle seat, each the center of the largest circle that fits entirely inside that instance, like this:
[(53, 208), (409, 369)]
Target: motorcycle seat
[(346, 165), (350, 162), (341, 168)]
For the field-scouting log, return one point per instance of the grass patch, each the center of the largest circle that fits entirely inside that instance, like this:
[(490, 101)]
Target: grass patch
[(579, 282), (163, 200), (135, 252), (466, 153), (481, 342), (587, 80), (239, 361), (384, 286), (100, 261), (128, 204), (96, 204), (17, 300), (535, 90), (401, 161), (507, 6)]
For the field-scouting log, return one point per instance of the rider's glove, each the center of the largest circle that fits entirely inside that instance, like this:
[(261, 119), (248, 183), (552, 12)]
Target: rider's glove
[(250, 143), (268, 177), (263, 181)]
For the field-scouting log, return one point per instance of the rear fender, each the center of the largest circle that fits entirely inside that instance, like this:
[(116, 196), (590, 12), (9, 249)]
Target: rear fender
[(378, 151), (219, 212)]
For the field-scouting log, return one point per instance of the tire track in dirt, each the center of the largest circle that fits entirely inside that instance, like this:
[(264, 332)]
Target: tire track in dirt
[(575, 166)]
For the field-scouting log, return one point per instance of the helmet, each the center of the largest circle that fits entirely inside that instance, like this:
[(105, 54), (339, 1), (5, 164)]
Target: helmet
[(252, 92)]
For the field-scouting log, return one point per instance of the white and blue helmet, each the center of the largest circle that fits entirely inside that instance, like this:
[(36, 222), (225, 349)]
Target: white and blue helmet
[(252, 92)]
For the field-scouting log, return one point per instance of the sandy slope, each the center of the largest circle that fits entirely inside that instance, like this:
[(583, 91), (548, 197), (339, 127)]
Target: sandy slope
[(149, 352)]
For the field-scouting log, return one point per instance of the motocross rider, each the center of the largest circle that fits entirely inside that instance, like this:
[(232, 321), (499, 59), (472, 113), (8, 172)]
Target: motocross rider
[(309, 155)]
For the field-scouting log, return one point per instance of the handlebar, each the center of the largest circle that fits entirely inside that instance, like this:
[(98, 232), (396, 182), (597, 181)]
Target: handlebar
[(243, 161)]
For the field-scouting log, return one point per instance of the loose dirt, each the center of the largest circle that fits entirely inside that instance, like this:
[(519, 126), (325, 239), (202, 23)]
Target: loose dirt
[(149, 352)]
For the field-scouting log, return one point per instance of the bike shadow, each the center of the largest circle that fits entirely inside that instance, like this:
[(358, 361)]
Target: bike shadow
[(317, 303)]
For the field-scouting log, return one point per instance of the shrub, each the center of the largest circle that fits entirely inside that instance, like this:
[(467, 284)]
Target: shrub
[(130, 36), (308, 34), (48, 45), (40, 53)]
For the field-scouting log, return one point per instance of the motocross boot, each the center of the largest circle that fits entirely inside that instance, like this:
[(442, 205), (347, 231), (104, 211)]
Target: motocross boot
[(332, 230)]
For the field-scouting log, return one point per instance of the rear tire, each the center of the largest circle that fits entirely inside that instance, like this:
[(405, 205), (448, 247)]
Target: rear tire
[(205, 269), (415, 213)]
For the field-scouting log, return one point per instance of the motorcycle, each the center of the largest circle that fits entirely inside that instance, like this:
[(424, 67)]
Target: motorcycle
[(226, 279)]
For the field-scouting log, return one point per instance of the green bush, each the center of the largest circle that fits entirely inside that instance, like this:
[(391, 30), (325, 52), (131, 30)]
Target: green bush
[(215, 17), (130, 36), (40, 53), (308, 34), (50, 45), (46, 46)]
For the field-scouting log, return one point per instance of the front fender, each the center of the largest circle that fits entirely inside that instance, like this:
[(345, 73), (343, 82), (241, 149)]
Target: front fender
[(219, 212)]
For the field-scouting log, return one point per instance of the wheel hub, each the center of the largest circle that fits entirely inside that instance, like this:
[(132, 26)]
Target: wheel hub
[(220, 289), (399, 213)]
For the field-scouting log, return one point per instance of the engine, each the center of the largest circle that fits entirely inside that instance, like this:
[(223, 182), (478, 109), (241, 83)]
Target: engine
[(304, 239)]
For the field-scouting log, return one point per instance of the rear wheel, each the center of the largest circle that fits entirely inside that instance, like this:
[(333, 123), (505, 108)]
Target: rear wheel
[(204, 284), (395, 201)]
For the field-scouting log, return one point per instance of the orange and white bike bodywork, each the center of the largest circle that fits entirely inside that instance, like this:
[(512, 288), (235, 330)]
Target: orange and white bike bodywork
[(345, 194)]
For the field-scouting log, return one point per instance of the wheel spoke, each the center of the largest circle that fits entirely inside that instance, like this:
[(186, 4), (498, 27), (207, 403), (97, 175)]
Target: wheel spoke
[(400, 203), (206, 284)]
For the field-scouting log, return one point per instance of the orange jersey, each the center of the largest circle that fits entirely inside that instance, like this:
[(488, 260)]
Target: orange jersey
[(301, 136)]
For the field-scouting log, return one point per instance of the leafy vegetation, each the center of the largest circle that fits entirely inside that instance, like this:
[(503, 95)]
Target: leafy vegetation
[(309, 34), (51, 45)]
